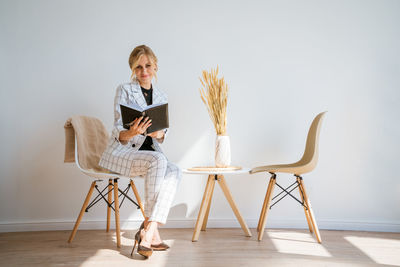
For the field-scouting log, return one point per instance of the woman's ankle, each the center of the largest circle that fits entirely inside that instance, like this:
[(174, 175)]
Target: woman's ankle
[(156, 238), (151, 226), (146, 237), (145, 222)]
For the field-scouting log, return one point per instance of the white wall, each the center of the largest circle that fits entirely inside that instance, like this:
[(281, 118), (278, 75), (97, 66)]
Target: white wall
[(284, 61)]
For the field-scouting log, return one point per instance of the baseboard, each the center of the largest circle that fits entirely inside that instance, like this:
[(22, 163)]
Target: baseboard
[(212, 223)]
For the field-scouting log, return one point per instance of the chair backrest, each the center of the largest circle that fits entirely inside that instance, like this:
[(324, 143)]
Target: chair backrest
[(310, 156), (91, 139)]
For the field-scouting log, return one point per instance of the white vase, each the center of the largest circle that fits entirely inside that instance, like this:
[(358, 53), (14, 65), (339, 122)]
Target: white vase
[(222, 151)]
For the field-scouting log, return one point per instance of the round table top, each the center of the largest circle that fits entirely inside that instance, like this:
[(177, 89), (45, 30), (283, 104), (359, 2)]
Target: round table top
[(217, 171)]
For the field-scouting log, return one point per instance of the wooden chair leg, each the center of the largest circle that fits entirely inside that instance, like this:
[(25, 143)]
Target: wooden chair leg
[(311, 213), (116, 207), (109, 199), (137, 197), (264, 215), (228, 196), (310, 227), (203, 228), (85, 203), (263, 206), (203, 207)]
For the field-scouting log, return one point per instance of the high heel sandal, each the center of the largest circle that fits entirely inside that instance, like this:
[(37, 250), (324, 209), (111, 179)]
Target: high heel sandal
[(159, 247), (142, 250)]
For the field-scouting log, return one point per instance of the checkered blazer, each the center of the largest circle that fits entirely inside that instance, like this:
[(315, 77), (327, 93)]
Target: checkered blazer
[(116, 157)]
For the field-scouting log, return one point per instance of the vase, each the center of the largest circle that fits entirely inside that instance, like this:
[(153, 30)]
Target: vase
[(222, 151)]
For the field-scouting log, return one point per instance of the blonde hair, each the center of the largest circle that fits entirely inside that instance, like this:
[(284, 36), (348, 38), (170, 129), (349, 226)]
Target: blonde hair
[(136, 54)]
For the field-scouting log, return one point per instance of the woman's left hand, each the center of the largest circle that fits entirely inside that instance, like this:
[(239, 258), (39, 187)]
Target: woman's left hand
[(157, 134)]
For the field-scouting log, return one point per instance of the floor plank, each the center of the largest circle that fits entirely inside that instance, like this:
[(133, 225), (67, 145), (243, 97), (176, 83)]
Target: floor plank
[(216, 247)]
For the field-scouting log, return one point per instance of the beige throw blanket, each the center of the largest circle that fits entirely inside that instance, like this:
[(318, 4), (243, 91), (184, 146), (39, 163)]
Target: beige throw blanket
[(92, 139)]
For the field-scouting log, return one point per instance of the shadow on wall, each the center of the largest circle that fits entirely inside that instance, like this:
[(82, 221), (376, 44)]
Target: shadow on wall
[(178, 211)]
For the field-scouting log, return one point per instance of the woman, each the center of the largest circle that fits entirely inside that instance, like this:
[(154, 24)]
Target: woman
[(131, 153)]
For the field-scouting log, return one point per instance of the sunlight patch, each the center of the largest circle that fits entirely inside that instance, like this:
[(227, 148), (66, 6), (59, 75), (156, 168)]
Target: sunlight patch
[(297, 243), (380, 250)]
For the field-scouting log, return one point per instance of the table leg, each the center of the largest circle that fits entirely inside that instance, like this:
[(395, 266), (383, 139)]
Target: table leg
[(203, 207), (203, 228), (228, 196)]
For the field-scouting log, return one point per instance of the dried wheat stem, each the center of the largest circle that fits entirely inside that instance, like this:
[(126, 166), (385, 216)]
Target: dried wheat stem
[(214, 95)]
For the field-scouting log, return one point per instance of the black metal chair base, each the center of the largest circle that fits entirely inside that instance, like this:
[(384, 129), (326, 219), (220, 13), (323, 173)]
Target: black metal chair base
[(101, 196), (296, 184)]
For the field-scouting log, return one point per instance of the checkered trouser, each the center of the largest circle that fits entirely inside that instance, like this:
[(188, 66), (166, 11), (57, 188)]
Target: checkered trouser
[(161, 180)]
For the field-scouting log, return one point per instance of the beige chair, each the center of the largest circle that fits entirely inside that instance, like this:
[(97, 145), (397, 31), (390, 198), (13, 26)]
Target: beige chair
[(87, 137), (306, 164)]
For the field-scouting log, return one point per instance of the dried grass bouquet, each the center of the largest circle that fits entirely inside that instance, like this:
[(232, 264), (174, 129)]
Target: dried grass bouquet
[(215, 96)]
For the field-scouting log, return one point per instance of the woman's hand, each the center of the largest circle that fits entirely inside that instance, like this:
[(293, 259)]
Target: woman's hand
[(138, 126), (157, 134)]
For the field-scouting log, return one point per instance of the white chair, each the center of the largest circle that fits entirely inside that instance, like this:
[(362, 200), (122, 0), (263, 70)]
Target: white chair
[(112, 186), (306, 164)]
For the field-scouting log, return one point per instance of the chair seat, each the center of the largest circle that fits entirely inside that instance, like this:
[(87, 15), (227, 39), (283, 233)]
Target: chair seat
[(103, 175), (293, 168)]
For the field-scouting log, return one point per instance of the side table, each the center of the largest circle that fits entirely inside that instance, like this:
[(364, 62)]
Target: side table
[(216, 174)]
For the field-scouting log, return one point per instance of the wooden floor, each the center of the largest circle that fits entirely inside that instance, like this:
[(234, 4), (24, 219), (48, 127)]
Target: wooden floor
[(216, 247)]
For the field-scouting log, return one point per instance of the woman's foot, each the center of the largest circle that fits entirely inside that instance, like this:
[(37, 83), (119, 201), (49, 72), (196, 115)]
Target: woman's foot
[(144, 247), (157, 243), (146, 236), (156, 238)]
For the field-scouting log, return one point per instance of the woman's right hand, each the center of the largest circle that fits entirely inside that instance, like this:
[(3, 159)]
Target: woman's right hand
[(139, 126)]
